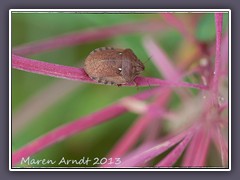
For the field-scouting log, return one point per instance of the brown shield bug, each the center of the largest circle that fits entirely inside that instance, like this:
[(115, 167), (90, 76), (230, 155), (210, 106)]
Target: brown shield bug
[(108, 65)]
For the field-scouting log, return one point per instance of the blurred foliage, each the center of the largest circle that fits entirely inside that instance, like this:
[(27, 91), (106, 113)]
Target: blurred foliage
[(95, 142)]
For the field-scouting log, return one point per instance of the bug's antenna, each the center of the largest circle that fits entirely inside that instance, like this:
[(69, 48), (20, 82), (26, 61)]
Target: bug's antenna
[(147, 60)]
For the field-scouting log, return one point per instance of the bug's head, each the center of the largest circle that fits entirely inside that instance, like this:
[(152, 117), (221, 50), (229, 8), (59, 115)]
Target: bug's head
[(139, 67)]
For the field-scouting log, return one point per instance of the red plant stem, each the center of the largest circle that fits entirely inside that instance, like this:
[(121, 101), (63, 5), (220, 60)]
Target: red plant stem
[(73, 73), (71, 128), (217, 68), (86, 36)]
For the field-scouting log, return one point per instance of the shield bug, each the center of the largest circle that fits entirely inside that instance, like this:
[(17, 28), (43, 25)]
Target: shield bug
[(108, 65)]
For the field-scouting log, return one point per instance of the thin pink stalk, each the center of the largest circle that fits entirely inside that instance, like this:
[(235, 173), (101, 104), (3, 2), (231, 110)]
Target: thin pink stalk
[(201, 155), (65, 131), (197, 152), (174, 155), (164, 64), (143, 156), (190, 153), (40, 102), (71, 128), (178, 24), (217, 66), (224, 55), (131, 136), (160, 59), (73, 73), (89, 35), (151, 132), (221, 144)]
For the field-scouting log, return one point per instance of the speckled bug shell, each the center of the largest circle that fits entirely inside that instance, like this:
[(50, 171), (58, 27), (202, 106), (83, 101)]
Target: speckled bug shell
[(108, 65)]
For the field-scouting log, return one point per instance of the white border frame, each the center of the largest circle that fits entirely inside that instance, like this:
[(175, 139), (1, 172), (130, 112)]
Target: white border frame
[(116, 11)]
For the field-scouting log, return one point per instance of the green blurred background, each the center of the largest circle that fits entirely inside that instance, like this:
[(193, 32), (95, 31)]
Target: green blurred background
[(84, 98)]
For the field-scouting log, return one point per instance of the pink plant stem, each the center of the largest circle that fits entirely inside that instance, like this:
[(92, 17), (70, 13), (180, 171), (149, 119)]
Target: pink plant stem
[(217, 67), (221, 144), (140, 157), (160, 59), (73, 73), (151, 132), (189, 155), (174, 155), (130, 138), (164, 64), (201, 155), (197, 152), (89, 35), (41, 101), (224, 55), (65, 131), (71, 128)]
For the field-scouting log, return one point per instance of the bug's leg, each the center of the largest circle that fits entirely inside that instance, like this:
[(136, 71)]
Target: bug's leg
[(150, 87), (112, 83), (136, 85)]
